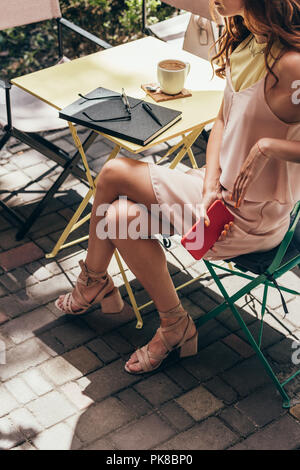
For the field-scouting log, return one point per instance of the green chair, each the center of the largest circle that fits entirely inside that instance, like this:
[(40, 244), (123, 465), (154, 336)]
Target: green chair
[(268, 267)]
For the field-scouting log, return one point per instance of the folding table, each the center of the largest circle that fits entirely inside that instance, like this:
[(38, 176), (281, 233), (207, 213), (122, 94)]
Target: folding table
[(128, 66)]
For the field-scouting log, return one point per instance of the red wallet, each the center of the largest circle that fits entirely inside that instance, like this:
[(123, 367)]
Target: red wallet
[(199, 239)]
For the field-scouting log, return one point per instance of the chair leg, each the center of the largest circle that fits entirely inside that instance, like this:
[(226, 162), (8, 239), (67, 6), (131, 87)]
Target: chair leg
[(261, 357), (54, 188), (4, 139)]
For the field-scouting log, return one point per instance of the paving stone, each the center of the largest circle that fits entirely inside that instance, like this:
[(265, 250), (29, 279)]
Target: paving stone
[(210, 332), (8, 239), (158, 388), (134, 402), (21, 357), (59, 371), (211, 434), (109, 380), (83, 360), (295, 411), (39, 272), (25, 446), (50, 289), (145, 433), (263, 406), (101, 419), (238, 421), (73, 333), (270, 335), (199, 403), (26, 302), (178, 417), (20, 255), (10, 435), (102, 350), (179, 375), (58, 437), (221, 390), (210, 361), (24, 327), (103, 323), (101, 444), (74, 393), (283, 434), (18, 388), (51, 408), (29, 158), (8, 402), (282, 351), (17, 279), (36, 381), (25, 422), (118, 343), (238, 345), (49, 342), (247, 376), (9, 306)]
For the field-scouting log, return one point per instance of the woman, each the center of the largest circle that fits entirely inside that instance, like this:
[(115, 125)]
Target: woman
[(252, 164)]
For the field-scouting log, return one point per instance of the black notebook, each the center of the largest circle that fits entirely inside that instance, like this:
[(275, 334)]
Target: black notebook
[(140, 129)]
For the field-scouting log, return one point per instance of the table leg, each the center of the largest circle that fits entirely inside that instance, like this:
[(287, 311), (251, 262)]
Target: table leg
[(74, 223)]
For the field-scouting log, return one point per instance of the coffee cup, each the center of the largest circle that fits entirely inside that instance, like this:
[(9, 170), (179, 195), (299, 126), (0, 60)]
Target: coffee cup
[(171, 75)]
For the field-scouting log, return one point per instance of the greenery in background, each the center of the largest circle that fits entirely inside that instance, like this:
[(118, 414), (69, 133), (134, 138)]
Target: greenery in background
[(28, 48)]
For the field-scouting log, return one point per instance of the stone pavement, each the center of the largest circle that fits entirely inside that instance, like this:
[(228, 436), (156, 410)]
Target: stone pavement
[(63, 385)]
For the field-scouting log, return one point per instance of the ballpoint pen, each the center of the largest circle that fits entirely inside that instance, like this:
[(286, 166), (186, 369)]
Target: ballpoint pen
[(148, 109), (125, 101)]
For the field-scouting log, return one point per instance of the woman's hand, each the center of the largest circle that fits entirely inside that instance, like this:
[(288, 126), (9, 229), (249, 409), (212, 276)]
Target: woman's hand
[(211, 195), (250, 170)]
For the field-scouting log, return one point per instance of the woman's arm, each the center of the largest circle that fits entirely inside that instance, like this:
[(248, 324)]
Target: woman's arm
[(213, 170), (280, 149), (211, 187)]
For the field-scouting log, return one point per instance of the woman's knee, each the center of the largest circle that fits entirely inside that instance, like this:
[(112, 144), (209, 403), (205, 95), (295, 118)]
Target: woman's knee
[(113, 172), (127, 219)]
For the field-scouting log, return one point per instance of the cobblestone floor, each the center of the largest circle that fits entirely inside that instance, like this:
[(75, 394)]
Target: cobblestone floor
[(63, 385)]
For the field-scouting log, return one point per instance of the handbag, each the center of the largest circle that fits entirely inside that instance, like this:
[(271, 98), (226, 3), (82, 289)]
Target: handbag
[(200, 35)]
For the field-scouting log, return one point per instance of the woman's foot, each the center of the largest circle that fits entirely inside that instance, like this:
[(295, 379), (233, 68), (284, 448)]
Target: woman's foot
[(91, 288), (177, 331)]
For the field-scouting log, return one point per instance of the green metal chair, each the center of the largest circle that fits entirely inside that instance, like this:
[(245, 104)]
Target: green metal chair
[(268, 266)]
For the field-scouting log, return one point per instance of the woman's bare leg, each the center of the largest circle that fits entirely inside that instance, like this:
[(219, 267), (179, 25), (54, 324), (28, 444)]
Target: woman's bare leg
[(130, 178)]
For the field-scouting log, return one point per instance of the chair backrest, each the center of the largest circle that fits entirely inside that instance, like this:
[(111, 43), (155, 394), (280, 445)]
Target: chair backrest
[(20, 12)]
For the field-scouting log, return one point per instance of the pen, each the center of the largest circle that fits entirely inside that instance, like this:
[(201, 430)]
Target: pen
[(148, 109)]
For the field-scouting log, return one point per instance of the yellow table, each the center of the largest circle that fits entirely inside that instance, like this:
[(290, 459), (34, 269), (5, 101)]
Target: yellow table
[(128, 66)]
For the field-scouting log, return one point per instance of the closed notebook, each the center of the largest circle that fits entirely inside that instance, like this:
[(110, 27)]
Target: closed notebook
[(141, 129)]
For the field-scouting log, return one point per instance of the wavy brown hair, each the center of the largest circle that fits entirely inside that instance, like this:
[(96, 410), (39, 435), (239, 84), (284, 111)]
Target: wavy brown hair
[(275, 19)]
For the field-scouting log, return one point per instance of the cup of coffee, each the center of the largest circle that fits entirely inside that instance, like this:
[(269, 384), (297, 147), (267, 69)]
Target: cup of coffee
[(171, 75)]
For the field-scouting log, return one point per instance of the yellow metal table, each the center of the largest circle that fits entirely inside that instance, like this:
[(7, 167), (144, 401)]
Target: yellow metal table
[(128, 66)]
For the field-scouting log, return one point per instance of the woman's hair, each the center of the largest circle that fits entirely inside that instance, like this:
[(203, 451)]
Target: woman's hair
[(275, 19)]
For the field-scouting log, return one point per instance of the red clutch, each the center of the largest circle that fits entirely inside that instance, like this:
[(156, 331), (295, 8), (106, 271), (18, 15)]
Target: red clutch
[(199, 239)]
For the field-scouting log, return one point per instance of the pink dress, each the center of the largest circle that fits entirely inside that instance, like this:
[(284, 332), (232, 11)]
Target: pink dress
[(263, 217)]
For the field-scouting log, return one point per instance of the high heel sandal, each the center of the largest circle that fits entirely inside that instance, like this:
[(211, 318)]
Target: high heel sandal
[(108, 296), (188, 345)]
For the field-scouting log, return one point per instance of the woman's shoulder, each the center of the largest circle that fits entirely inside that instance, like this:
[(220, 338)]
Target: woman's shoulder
[(288, 66)]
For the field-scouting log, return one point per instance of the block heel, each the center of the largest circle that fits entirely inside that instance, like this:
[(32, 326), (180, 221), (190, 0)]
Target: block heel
[(112, 302), (190, 347)]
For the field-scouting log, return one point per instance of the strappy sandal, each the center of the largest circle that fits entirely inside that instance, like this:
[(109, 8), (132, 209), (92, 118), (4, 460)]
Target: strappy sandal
[(188, 346), (108, 296)]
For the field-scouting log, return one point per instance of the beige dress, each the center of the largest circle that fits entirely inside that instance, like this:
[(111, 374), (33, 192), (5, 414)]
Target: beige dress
[(263, 217)]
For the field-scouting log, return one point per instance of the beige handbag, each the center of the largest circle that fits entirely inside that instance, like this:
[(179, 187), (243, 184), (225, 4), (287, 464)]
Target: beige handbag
[(201, 33)]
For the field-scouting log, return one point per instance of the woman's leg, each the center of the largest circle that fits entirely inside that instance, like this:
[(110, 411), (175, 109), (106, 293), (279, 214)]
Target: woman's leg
[(146, 259), (118, 177)]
